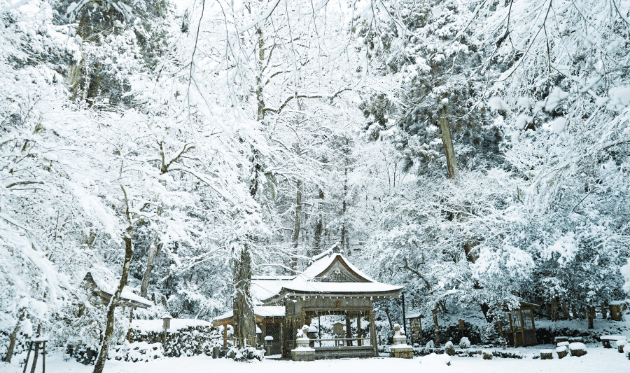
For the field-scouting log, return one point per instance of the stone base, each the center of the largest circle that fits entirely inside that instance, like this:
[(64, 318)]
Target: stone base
[(401, 352), (303, 354)]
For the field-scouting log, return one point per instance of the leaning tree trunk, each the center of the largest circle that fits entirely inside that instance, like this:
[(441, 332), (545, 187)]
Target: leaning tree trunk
[(447, 141), (153, 251), (244, 323), (7, 358), (113, 302)]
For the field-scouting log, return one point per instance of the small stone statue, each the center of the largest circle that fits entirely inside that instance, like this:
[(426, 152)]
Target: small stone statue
[(303, 333), (398, 331)]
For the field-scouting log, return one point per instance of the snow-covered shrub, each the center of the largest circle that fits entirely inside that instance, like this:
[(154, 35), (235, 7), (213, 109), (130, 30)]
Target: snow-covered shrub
[(137, 351), (248, 353), (449, 348), (187, 341), (430, 344), (464, 343), (434, 360)]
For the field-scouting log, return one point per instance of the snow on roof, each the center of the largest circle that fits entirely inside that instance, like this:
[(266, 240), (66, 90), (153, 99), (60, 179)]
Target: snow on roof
[(266, 288), (260, 311), (126, 295), (318, 267), (340, 287), (156, 325), (306, 282)]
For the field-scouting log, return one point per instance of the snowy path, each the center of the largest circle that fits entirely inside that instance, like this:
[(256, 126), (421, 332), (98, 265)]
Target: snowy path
[(597, 360)]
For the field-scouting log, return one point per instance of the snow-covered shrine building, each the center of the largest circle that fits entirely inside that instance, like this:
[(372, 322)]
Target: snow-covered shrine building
[(331, 285)]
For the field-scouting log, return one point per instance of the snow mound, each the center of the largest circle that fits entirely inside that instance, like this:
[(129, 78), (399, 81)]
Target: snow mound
[(434, 360)]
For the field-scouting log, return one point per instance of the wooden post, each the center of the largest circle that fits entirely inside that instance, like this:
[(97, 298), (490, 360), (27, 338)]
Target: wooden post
[(36, 353), (373, 340), (319, 329), (604, 311), (282, 337), (360, 342), (28, 355), (44, 358), (348, 330), (225, 336)]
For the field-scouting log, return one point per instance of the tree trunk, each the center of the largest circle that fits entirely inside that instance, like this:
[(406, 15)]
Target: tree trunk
[(591, 317), (344, 207), (437, 327), (296, 227), (447, 141), (389, 319), (319, 227), (565, 310), (554, 309), (153, 252), (7, 358), (244, 322), (260, 102), (604, 311), (113, 302)]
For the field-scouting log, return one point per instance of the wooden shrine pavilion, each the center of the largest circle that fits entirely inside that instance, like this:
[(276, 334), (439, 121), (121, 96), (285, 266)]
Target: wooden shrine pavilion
[(521, 330), (331, 285)]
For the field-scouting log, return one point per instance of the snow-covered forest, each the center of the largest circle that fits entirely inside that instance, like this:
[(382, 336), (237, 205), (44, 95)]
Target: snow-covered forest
[(475, 152)]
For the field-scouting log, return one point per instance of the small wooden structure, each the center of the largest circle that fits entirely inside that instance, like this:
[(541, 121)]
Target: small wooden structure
[(521, 330), (36, 341), (616, 310), (268, 318), (415, 326), (331, 285)]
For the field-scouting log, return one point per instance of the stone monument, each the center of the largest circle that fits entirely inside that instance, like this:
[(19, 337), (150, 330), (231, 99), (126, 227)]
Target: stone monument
[(400, 349), (303, 352)]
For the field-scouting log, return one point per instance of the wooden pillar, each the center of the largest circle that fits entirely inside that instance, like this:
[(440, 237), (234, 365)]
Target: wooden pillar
[(348, 330), (282, 337), (360, 342), (373, 340), (319, 329), (36, 354), (28, 355), (225, 336)]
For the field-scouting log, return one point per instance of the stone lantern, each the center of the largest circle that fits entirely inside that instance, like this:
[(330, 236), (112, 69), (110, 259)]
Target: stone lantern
[(400, 349), (166, 324), (166, 321)]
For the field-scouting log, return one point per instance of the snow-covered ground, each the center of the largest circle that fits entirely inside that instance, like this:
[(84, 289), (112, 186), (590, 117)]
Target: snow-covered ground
[(598, 359)]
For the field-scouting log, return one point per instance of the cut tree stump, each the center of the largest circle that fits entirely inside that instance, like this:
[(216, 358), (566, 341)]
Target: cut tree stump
[(562, 352), (577, 349), (546, 355)]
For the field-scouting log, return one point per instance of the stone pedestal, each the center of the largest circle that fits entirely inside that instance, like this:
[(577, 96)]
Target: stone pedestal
[(303, 352), (400, 349)]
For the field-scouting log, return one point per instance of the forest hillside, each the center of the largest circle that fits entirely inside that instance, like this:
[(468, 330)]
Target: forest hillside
[(475, 152)]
